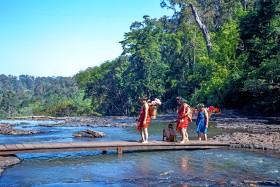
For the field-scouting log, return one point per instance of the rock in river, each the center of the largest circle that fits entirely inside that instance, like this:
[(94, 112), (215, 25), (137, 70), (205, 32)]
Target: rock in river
[(89, 133)]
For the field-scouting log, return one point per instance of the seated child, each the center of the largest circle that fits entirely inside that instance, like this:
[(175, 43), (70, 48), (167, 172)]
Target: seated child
[(170, 133)]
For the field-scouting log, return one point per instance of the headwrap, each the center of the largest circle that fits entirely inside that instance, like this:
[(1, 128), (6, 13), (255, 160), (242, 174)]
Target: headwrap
[(200, 105), (181, 99)]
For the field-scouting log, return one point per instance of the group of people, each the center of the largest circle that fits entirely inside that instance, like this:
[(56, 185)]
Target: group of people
[(185, 113)]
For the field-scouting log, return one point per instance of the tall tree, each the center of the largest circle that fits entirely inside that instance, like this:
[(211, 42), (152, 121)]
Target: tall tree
[(143, 44), (260, 31)]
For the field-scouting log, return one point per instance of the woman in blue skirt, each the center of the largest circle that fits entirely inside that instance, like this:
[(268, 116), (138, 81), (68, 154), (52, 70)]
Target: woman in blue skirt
[(202, 122)]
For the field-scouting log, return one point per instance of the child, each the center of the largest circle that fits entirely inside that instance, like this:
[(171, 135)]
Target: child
[(202, 122), (170, 133)]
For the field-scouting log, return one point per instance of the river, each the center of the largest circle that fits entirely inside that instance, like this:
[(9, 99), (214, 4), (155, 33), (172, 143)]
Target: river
[(227, 167)]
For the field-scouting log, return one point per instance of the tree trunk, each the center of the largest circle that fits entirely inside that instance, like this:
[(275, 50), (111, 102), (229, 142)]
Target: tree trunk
[(203, 28)]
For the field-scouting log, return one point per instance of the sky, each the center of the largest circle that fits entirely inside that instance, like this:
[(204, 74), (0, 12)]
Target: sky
[(63, 37)]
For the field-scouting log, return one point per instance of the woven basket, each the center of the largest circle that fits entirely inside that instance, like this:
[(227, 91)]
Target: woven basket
[(153, 111)]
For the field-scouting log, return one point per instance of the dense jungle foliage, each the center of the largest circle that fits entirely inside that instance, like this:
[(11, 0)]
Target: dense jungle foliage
[(237, 68)]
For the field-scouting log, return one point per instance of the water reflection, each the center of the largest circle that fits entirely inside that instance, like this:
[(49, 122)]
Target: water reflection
[(184, 165)]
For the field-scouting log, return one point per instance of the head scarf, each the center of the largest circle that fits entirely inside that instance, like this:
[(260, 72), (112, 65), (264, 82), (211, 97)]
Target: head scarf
[(181, 99), (200, 105)]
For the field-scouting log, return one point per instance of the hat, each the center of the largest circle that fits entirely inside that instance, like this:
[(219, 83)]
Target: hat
[(179, 98)]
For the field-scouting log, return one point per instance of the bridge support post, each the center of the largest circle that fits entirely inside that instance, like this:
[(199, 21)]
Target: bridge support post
[(119, 150)]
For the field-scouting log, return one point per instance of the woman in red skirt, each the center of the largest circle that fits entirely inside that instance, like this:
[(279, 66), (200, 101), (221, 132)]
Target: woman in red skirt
[(183, 118), (144, 119)]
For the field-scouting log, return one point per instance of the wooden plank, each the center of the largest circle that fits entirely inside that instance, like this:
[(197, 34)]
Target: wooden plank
[(50, 146), (39, 146), (29, 146), (20, 146), (2, 147), (82, 144), (11, 147), (55, 145)]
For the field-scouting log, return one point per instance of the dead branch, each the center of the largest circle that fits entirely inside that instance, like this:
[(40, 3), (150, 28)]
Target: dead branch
[(203, 28)]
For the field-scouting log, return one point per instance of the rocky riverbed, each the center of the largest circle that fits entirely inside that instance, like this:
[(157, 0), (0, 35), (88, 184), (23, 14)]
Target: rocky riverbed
[(250, 132)]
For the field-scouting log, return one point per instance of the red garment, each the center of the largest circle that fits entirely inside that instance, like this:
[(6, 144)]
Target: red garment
[(182, 122), (142, 117)]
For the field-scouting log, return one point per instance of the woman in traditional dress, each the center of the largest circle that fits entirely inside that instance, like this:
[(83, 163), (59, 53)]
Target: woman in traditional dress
[(202, 121), (183, 118), (144, 119)]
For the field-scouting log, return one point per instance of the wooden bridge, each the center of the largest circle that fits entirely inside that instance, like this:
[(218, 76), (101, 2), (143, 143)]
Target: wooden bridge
[(119, 146)]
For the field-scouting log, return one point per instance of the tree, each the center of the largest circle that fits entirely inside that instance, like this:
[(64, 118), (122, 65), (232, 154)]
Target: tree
[(8, 104), (260, 31), (147, 70)]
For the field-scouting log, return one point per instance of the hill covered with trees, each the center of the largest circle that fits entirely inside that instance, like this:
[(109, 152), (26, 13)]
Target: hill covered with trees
[(27, 95), (221, 53)]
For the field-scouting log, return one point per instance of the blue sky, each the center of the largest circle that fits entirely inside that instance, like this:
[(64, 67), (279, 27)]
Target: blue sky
[(63, 37)]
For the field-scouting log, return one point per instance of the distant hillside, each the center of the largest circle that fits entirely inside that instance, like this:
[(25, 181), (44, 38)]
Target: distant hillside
[(28, 95)]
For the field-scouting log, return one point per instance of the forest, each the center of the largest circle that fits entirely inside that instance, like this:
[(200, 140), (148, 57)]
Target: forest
[(221, 53), (54, 96)]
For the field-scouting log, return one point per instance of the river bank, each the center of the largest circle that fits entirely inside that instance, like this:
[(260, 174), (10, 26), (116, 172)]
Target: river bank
[(250, 132)]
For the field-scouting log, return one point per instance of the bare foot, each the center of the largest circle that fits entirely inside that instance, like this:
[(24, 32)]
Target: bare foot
[(183, 141), (145, 142)]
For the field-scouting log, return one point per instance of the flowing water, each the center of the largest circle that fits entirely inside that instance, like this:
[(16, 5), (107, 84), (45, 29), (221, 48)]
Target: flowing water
[(227, 167)]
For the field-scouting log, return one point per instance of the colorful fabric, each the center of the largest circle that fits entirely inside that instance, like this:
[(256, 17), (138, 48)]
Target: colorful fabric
[(212, 109), (141, 124), (201, 122), (183, 121)]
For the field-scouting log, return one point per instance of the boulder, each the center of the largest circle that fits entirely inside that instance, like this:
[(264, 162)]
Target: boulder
[(89, 133), (6, 161)]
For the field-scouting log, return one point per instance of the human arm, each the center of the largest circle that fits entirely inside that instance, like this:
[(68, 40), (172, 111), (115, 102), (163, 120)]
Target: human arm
[(207, 117), (146, 108)]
